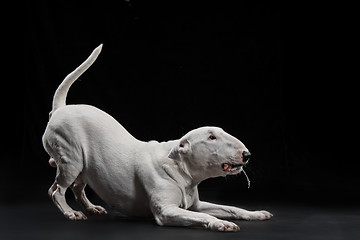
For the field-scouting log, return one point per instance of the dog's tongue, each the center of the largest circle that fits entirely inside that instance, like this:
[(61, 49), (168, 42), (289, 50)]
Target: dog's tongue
[(226, 167)]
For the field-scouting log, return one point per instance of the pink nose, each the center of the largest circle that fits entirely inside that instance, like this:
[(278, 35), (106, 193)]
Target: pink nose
[(246, 156)]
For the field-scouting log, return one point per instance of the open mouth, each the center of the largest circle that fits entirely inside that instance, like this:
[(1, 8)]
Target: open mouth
[(235, 169), (231, 168)]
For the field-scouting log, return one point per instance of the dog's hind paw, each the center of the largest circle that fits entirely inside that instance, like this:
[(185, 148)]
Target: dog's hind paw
[(97, 210), (75, 215)]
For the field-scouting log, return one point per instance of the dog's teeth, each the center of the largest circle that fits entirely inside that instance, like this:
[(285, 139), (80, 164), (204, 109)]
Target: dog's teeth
[(226, 167)]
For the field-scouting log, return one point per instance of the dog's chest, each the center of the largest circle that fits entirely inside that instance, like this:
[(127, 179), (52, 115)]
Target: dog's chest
[(188, 193), (188, 198)]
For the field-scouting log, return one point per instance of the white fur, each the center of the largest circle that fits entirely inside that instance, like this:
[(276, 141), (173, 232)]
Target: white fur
[(138, 178)]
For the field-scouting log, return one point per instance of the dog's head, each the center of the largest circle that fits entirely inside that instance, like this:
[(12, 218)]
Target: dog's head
[(212, 151)]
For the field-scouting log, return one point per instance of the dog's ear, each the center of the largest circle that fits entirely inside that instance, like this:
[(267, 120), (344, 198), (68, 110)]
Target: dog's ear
[(182, 148)]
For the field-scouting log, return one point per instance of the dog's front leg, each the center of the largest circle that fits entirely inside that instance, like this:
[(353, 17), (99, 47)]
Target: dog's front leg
[(229, 212), (171, 215)]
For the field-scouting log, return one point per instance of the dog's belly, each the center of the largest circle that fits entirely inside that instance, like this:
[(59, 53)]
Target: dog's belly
[(122, 191)]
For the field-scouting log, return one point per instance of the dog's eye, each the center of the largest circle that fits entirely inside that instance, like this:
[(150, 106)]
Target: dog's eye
[(212, 137)]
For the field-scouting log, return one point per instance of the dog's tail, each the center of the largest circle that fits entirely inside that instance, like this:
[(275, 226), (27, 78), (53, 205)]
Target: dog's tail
[(61, 93)]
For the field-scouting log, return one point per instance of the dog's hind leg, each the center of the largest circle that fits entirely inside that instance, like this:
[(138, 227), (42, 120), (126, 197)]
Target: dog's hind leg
[(66, 174), (78, 188)]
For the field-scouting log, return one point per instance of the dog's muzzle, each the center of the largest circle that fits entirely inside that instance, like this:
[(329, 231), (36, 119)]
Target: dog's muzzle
[(235, 168)]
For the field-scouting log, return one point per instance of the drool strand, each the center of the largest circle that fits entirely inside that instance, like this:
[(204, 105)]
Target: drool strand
[(247, 178)]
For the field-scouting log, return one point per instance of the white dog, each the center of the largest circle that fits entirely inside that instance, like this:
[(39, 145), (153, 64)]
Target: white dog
[(138, 178)]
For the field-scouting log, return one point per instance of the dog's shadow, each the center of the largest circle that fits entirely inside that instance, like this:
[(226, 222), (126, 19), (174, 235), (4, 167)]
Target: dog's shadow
[(117, 217)]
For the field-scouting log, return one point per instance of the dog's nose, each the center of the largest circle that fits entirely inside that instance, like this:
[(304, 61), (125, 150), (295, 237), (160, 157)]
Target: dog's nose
[(246, 156)]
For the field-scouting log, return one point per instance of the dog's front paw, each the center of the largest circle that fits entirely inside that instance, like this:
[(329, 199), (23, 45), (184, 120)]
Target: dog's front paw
[(75, 215), (223, 226), (258, 215)]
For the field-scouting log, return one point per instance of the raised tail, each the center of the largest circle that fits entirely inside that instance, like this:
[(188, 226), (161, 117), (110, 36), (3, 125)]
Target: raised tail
[(61, 93)]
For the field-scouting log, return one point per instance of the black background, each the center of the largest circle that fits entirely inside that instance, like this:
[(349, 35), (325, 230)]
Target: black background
[(271, 75), (276, 76)]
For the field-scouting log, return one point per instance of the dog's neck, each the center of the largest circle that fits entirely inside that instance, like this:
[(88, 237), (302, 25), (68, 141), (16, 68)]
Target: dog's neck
[(197, 175), (189, 173)]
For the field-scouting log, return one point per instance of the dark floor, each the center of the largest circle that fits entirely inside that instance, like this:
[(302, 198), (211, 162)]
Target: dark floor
[(290, 221)]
